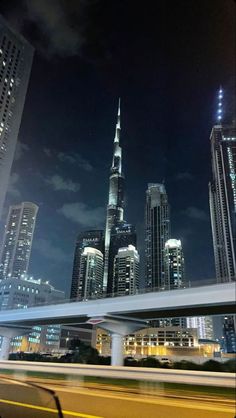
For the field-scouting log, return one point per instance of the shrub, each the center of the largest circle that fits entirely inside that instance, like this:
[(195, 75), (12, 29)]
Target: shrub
[(212, 366)]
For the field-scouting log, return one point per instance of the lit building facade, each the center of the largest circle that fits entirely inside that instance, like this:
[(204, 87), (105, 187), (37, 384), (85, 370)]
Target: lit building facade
[(17, 241), (157, 223), (123, 234), (126, 271), (26, 291), (222, 199), (229, 334), (115, 207), (174, 265), (93, 239), (222, 193), (23, 293), (16, 56), (90, 274), (204, 326), (154, 342)]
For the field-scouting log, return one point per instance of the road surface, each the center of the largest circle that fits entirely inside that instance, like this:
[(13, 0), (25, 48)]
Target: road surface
[(18, 401)]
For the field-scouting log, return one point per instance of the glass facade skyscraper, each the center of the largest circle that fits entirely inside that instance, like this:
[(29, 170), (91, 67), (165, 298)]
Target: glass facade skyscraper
[(157, 224), (115, 207), (126, 271), (17, 241), (222, 198), (174, 265), (222, 191), (93, 239), (123, 234), (90, 274), (229, 334), (16, 56)]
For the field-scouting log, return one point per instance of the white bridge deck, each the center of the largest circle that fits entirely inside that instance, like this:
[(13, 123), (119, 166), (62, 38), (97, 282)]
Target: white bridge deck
[(217, 299)]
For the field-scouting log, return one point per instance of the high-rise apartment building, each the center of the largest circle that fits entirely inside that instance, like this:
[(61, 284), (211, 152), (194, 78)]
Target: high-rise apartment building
[(93, 239), (123, 234), (17, 241), (222, 191), (16, 56), (229, 334), (204, 325), (115, 207), (90, 274), (174, 265), (126, 271), (222, 197), (157, 220)]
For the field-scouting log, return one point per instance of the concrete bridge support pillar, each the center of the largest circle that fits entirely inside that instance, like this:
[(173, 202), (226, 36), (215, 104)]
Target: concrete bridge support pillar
[(8, 332), (4, 353), (117, 348), (118, 327)]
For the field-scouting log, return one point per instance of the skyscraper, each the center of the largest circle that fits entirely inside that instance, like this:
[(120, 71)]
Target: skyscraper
[(222, 197), (229, 334), (222, 193), (90, 274), (93, 239), (123, 234), (174, 265), (126, 271), (157, 220), (115, 207), (16, 56), (204, 325), (17, 241)]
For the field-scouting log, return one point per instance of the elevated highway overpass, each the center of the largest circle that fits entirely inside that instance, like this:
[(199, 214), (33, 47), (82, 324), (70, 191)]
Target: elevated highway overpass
[(217, 299), (122, 315)]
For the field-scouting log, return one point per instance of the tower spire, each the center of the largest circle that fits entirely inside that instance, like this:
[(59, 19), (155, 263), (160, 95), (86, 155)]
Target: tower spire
[(219, 105), (115, 207), (117, 135)]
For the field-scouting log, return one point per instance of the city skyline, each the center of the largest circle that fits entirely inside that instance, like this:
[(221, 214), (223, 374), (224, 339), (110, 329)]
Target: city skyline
[(78, 183)]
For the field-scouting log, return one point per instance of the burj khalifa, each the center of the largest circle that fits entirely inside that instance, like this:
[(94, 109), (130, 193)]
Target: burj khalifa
[(115, 207)]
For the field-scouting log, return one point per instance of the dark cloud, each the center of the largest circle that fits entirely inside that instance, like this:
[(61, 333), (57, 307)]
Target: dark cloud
[(184, 176), (196, 213), (75, 158), (49, 250), (69, 158), (56, 27), (13, 190), (21, 149), (81, 214), (47, 152), (59, 183), (52, 20)]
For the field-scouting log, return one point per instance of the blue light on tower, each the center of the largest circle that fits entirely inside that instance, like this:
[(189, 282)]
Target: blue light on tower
[(219, 110)]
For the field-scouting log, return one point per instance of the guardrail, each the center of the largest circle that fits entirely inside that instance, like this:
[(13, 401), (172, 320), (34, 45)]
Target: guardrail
[(191, 377)]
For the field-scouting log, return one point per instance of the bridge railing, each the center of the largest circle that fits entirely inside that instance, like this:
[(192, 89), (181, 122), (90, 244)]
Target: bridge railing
[(192, 377)]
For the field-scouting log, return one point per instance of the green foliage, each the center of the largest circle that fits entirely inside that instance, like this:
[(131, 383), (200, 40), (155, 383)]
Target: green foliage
[(81, 353), (149, 362), (186, 365), (85, 354), (230, 366), (213, 366)]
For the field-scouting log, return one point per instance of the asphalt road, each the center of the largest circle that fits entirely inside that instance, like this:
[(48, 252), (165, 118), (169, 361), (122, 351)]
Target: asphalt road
[(19, 401)]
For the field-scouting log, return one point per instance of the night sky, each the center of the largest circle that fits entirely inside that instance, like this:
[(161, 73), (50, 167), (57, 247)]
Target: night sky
[(166, 60)]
